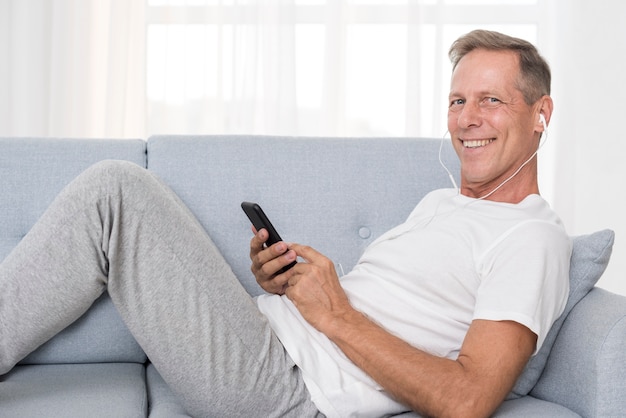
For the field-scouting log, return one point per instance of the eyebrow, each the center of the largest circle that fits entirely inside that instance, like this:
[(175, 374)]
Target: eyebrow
[(481, 93)]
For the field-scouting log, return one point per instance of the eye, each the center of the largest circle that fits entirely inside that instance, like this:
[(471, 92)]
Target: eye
[(491, 101), (456, 103)]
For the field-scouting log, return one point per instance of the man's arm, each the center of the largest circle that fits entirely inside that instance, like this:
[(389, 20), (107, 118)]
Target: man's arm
[(492, 356)]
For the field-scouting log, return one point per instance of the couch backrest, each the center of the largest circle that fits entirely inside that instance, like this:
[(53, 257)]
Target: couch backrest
[(335, 194), (32, 172)]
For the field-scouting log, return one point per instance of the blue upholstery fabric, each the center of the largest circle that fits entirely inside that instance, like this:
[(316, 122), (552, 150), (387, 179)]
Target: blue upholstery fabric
[(525, 407), (98, 336), (323, 192), (163, 402), (74, 390), (532, 407), (585, 370), (33, 172), (590, 257)]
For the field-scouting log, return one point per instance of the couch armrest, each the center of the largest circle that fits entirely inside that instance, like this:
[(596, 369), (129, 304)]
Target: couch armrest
[(586, 370)]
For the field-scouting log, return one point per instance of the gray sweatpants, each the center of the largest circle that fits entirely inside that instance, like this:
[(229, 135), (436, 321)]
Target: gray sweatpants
[(118, 228)]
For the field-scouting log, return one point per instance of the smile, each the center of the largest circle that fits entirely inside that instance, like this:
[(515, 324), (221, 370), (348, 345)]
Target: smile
[(477, 143)]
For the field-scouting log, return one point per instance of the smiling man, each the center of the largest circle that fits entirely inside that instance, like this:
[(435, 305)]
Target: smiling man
[(497, 110), (440, 314)]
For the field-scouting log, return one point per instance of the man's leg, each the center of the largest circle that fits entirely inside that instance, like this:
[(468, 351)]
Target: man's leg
[(117, 227)]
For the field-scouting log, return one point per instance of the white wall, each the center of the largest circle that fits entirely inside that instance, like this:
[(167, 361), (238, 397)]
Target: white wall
[(588, 135)]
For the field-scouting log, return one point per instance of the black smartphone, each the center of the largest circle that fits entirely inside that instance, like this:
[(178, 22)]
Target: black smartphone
[(260, 220)]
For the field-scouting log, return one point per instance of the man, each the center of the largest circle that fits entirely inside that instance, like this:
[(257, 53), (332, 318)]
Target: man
[(499, 94), (440, 315)]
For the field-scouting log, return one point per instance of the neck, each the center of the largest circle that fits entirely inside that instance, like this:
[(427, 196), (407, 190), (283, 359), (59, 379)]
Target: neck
[(513, 189)]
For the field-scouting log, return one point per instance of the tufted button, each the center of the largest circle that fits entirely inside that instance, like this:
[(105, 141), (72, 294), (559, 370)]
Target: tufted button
[(365, 232)]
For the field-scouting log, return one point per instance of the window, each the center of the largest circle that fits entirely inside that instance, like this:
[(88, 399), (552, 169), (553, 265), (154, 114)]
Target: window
[(312, 67)]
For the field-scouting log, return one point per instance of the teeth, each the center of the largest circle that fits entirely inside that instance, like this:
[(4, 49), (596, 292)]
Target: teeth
[(477, 143)]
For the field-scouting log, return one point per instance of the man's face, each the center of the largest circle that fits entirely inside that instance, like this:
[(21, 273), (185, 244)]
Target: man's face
[(492, 128)]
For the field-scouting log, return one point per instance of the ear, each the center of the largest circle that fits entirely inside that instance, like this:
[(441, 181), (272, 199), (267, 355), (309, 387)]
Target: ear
[(543, 108)]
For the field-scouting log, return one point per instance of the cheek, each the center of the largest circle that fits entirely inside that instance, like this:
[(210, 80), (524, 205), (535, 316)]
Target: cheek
[(453, 123), (452, 120)]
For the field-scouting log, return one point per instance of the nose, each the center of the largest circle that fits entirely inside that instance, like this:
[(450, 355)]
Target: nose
[(469, 115)]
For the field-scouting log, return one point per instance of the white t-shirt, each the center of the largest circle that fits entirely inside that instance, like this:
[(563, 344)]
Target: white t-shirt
[(454, 260)]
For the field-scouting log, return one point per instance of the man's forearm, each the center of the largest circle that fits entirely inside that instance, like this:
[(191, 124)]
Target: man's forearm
[(430, 385)]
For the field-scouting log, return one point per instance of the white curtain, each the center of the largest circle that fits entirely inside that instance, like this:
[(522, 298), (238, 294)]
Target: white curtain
[(133, 68), (228, 69), (282, 67), (72, 68), (308, 67)]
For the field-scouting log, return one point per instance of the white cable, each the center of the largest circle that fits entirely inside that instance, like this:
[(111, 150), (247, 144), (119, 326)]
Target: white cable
[(541, 142), (444, 166)]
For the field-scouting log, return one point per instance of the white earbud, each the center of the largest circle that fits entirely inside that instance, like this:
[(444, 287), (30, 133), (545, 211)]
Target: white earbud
[(542, 119)]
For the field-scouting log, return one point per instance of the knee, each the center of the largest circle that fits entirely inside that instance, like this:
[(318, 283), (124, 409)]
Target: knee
[(112, 175), (113, 172), (121, 168)]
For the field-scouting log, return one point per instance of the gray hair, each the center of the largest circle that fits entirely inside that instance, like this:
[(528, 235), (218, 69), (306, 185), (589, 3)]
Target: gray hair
[(534, 78)]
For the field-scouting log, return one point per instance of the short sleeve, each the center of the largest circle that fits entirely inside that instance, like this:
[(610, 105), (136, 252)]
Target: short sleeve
[(524, 277)]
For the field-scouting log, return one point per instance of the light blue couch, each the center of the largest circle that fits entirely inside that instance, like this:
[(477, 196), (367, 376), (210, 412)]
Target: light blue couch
[(334, 194)]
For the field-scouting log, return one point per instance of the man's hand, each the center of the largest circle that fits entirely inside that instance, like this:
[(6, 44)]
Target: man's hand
[(266, 262), (313, 287)]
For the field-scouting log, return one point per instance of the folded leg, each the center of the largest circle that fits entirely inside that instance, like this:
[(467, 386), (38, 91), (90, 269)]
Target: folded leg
[(118, 228)]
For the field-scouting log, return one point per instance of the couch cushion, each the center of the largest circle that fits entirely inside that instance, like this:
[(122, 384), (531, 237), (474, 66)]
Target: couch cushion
[(164, 404), (590, 256), (74, 390), (587, 365), (532, 407), (521, 408), (34, 170), (98, 336), (162, 401)]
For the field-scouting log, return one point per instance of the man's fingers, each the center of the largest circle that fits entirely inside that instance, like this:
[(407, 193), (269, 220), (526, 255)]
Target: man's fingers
[(309, 254)]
